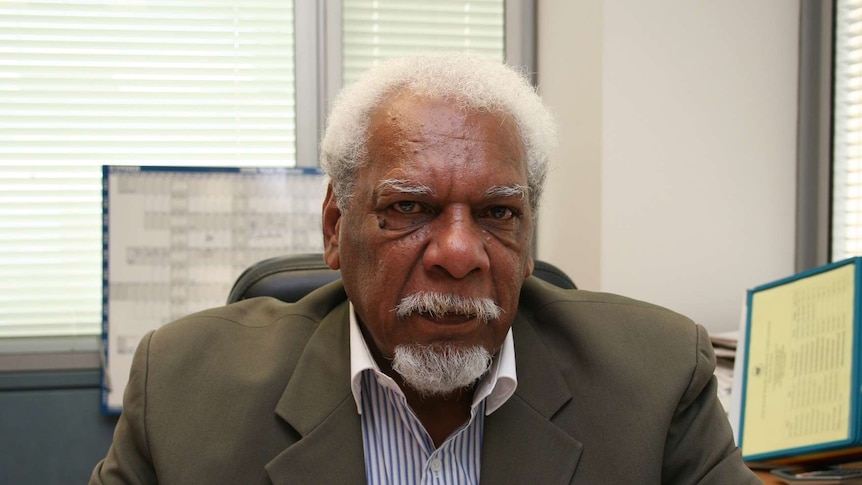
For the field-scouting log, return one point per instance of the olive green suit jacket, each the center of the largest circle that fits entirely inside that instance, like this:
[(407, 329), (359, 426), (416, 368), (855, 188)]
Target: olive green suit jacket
[(610, 390)]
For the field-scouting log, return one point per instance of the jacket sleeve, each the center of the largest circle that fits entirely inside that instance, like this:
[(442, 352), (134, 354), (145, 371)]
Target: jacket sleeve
[(128, 460), (700, 423)]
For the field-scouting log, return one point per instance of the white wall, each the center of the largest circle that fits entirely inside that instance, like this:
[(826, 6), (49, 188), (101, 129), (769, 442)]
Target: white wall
[(674, 181)]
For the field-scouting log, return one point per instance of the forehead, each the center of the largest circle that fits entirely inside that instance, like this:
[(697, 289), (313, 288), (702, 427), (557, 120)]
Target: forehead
[(422, 113), (407, 127)]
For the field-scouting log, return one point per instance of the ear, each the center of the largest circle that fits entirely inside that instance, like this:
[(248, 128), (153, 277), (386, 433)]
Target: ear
[(331, 227), (529, 267)]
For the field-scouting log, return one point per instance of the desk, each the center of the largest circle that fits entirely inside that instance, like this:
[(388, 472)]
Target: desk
[(768, 478)]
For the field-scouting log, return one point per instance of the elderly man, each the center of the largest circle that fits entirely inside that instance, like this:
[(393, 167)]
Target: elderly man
[(437, 358)]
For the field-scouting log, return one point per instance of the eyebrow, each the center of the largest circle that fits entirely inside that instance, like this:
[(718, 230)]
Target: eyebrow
[(405, 186), (498, 191), (413, 188)]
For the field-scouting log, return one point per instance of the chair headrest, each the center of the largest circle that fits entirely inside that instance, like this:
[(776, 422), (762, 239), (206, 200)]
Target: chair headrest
[(289, 278)]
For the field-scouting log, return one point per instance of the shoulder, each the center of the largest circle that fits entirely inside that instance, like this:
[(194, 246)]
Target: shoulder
[(259, 313), (602, 327), (540, 300), (243, 353), (257, 327)]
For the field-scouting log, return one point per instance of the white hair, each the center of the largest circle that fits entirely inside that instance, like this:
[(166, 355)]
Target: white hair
[(476, 83)]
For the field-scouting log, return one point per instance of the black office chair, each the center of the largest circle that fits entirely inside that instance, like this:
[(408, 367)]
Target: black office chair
[(289, 278)]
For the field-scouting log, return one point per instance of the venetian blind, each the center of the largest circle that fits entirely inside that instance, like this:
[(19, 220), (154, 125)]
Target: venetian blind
[(379, 29), (847, 132), (92, 82)]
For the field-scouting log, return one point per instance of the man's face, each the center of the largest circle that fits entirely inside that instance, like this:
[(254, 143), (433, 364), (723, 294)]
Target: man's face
[(441, 206)]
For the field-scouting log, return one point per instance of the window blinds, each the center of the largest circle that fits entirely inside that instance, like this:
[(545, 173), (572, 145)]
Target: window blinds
[(158, 82), (379, 29), (92, 82), (847, 132)]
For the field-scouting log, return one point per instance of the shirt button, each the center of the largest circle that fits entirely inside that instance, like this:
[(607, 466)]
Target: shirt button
[(436, 465)]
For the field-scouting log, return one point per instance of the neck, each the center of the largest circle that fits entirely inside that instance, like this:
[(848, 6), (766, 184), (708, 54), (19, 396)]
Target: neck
[(440, 415)]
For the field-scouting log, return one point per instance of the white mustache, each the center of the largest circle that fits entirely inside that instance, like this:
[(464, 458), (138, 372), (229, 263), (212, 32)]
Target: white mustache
[(440, 304)]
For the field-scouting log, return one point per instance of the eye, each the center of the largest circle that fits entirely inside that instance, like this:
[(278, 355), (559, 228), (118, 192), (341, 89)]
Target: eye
[(500, 213), (407, 207)]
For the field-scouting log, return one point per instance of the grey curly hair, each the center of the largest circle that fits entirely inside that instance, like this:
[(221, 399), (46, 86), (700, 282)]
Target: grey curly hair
[(476, 83)]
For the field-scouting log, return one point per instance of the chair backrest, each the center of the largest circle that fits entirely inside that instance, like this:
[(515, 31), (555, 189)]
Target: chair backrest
[(289, 278)]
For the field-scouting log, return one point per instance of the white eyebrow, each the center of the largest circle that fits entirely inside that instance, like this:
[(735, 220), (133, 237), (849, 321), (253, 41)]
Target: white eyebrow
[(516, 190), (413, 188), (405, 186)]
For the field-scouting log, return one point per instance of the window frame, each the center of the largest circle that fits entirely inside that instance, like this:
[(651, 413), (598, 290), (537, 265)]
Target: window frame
[(814, 140), (317, 27)]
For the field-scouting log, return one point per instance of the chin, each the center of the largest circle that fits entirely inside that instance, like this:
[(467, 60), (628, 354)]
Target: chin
[(441, 369)]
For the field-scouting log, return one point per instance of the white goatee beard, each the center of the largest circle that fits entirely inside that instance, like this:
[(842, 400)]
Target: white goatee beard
[(440, 370)]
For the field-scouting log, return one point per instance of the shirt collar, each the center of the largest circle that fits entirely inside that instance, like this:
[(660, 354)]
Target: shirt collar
[(497, 386)]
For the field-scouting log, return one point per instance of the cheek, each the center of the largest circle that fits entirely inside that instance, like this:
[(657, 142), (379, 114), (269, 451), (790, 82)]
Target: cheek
[(406, 245), (374, 266), (357, 237), (358, 263), (512, 271)]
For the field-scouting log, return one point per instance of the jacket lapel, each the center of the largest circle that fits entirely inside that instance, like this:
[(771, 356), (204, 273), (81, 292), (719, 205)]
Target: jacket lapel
[(521, 444), (318, 404)]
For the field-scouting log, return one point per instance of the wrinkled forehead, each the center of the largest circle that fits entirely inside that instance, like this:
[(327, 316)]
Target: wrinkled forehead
[(404, 115), (434, 147)]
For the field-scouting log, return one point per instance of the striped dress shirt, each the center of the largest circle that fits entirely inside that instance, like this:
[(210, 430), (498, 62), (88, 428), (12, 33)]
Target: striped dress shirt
[(398, 449)]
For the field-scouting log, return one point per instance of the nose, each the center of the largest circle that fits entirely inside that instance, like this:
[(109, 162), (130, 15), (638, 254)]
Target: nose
[(456, 244)]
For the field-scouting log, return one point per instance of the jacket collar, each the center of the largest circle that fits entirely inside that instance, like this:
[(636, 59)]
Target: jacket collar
[(318, 404), (521, 443)]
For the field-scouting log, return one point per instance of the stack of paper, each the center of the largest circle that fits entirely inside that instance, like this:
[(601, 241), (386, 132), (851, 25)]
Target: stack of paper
[(724, 345)]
